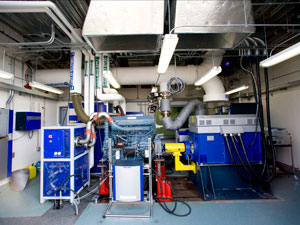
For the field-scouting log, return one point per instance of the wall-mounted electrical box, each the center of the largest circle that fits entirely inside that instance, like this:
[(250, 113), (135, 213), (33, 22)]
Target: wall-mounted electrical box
[(28, 120), (6, 118)]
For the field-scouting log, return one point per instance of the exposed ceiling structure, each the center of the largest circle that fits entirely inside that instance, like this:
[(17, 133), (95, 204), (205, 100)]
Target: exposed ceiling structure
[(32, 27)]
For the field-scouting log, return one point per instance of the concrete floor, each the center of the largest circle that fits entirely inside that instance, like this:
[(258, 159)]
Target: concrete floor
[(283, 211)]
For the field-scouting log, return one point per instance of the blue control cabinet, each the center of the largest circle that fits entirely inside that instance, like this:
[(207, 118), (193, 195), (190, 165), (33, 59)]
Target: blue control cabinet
[(28, 120), (62, 163)]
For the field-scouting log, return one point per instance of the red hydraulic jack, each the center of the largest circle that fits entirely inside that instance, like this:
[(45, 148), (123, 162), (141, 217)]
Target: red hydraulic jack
[(104, 187), (164, 191)]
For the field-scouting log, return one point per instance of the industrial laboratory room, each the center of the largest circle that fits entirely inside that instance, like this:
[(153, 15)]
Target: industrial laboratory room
[(150, 112)]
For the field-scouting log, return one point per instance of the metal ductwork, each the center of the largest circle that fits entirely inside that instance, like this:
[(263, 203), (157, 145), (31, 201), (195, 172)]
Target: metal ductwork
[(137, 26), (214, 18), (120, 26)]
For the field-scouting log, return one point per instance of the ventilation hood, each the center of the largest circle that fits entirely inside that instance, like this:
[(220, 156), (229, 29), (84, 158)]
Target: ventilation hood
[(124, 26), (209, 13)]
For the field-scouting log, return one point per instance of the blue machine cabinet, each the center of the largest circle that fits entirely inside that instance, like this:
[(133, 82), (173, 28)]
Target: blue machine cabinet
[(216, 175), (28, 120), (64, 166)]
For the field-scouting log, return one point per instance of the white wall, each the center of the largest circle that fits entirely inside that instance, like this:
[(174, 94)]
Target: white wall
[(25, 148)]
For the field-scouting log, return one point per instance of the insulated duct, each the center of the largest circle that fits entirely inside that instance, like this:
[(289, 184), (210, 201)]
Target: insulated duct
[(169, 124), (214, 89)]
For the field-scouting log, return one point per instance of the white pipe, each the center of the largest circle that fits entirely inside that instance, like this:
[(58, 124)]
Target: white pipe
[(75, 72), (214, 90), (42, 6), (92, 83), (98, 74), (163, 86), (86, 82), (92, 101), (114, 97)]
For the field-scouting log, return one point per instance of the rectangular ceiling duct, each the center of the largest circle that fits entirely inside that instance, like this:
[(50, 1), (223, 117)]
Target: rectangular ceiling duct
[(208, 15), (124, 26)]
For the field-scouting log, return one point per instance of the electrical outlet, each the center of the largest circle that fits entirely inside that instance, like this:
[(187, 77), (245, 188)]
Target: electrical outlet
[(13, 155)]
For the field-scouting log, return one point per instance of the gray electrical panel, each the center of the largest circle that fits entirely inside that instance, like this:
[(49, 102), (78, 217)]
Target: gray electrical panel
[(4, 117), (6, 122), (5, 158)]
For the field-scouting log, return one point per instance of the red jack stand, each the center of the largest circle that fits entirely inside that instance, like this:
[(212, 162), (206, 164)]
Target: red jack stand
[(104, 187), (164, 191)]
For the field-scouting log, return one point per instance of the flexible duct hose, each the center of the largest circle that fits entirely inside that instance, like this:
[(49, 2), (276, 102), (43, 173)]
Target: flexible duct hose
[(76, 100), (169, 124)]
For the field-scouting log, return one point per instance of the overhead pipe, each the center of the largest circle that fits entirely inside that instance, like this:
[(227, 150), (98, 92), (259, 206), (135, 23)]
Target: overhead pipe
[(109, 93), (86, 82), (92, 83), (262, 43), (47, 7), (49, 42), (189, 74), (254, 43)]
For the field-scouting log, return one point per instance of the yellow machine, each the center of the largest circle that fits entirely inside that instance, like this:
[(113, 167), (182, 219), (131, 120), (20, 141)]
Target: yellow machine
[(176, 149)]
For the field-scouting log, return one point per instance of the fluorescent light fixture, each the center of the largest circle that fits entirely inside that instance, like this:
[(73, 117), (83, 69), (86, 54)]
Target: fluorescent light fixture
[(6, 75), (111, 79), (244, 87), (45, 87), (209, 75), (168, 48), (281, 56)]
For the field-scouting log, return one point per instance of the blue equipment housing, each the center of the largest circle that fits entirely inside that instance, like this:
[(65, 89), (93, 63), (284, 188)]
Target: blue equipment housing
[(212, 148), (64, 166), (216, 176)]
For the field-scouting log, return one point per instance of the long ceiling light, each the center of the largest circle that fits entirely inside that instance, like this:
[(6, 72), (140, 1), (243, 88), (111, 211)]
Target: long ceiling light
[(6, 75), (244, 87), (111, 79), (45, 87), (209, 75), (281, 56), (168, 48)]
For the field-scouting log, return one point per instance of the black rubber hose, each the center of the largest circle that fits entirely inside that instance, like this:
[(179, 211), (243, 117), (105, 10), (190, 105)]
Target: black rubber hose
[(239, 156), (120, 110), (164, 205), (253, 81), (234, 163), (269, 123)]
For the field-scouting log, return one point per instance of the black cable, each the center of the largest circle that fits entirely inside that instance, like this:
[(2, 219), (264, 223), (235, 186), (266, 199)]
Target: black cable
[(269, 124), (261, 116), (163, 203), (234, 163), (73, 175), (239, 156), (30, 135)]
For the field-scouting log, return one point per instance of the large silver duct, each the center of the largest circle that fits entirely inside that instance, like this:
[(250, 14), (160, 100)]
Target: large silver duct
[(214, 24), (121, 26), (137, 26)]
